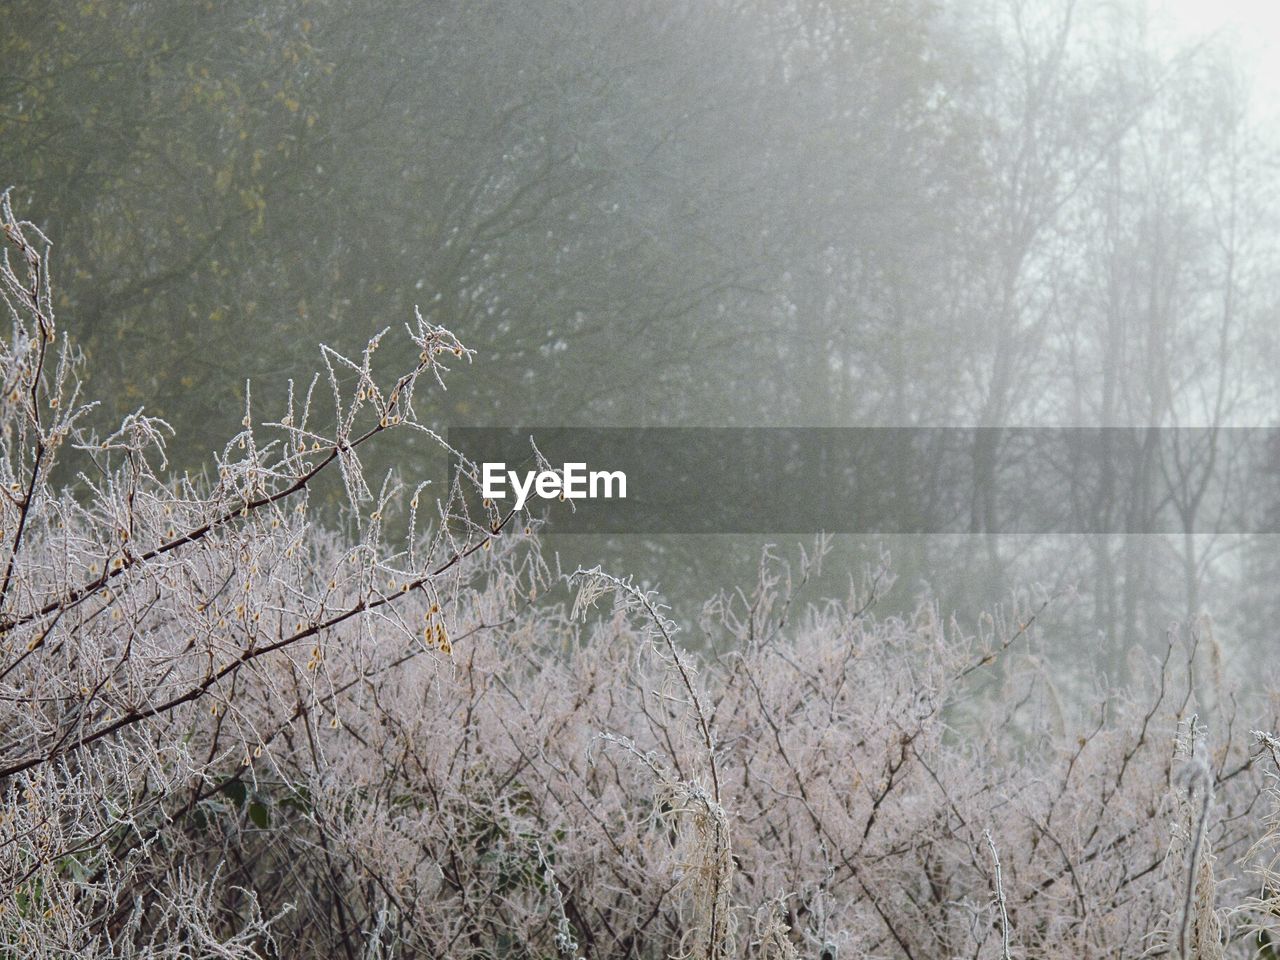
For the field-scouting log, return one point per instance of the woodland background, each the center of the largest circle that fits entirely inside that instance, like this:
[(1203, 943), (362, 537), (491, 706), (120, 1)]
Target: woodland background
[(262, 696)]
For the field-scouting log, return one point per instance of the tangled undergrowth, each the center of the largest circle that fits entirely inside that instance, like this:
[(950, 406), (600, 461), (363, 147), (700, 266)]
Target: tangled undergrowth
[(230, 732)]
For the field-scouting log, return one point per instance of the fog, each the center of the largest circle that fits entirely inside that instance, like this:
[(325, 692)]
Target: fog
[(881, 213)]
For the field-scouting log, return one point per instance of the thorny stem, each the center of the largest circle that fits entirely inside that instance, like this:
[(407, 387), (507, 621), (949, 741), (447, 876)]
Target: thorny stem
[(79, 594), (45, 331), (1000, 898), (253, 653), (704, 727), (1197, 775)]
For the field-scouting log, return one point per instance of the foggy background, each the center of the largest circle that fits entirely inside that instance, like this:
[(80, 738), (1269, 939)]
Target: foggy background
[(757, 213)]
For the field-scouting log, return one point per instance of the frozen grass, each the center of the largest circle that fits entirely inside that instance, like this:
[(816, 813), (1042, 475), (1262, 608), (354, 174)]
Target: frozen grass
[(230, 732)]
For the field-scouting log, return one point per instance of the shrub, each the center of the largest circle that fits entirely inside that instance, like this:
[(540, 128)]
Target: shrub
[(231, 729)]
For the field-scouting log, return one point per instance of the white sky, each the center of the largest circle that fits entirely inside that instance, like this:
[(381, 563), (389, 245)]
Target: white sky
[(1256, 24), (1204, 16)]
